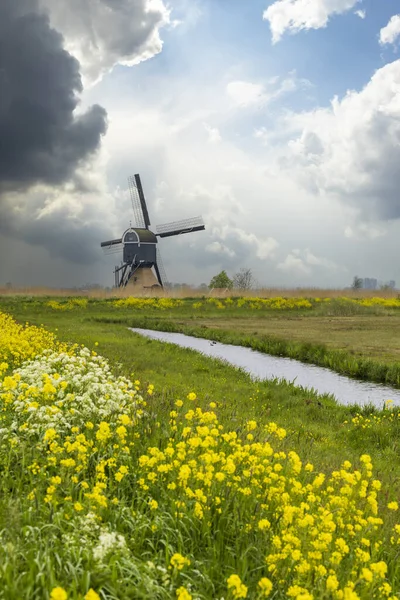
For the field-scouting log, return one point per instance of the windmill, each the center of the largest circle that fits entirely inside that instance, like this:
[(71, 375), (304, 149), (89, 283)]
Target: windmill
[(141, 261)]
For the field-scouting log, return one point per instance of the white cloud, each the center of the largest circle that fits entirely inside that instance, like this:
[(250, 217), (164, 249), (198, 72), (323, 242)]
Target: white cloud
[(318, 261), (364, 231), (360, 13), (299, 263), (390, 33), (293, 263), (245, 93), (103, 33), (219, 248), (295, 15), (352, 148), (214, 135), (263, 248)]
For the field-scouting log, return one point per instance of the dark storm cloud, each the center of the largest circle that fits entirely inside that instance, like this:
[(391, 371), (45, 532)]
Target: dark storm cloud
[(40, 139)]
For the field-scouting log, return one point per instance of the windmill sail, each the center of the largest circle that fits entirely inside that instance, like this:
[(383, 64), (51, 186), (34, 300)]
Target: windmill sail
[(142, 201), (180, 227), (141, 261), (161, 269), (138, 202), (112, 246)]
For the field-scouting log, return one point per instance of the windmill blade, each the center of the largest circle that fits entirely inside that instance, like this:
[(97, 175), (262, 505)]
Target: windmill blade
[(111, 243), (180, 227), (112, 246), (161, 269), (138, 202), (113, 249), (142, 201)]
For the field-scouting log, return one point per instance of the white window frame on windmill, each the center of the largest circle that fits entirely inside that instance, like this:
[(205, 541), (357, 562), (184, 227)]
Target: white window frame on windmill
[(137, 241)]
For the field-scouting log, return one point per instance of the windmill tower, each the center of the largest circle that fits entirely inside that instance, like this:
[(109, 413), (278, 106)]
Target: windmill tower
[(141, 261)]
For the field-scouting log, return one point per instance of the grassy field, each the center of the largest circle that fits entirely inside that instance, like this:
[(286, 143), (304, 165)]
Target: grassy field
[(175, 372), (317, 429), (191, 292), (358, 339)]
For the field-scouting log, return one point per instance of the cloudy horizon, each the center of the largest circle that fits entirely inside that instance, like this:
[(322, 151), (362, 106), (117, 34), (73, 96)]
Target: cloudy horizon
[(277, 121)]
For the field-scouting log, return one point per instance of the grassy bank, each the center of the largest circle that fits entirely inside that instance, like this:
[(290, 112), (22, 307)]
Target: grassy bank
[(322, 429), (184, 479), (359, 338), (293, 514)]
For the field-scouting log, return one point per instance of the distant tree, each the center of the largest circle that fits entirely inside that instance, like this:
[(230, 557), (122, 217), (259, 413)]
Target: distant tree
[(357, 283), (221, 281), (243, 280)]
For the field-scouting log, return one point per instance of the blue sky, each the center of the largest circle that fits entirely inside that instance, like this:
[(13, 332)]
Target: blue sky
[(220, 120), (341, 56)]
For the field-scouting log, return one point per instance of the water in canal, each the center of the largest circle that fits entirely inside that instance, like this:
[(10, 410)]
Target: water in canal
[(265, 366)]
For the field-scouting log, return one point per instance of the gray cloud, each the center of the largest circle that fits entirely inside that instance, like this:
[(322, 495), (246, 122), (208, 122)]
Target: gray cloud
[(68, 233), (44, 145), (40, 138)]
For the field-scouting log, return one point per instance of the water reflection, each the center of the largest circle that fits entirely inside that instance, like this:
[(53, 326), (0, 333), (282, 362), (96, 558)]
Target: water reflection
[(264, 366)]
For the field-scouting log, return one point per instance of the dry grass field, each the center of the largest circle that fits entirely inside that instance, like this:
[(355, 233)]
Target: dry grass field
[(192, 292)]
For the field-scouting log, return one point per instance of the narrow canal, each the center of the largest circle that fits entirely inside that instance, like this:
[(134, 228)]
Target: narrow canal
[(264, 366)]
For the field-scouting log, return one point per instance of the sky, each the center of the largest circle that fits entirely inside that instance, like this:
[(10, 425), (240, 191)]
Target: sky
[(278, 121)]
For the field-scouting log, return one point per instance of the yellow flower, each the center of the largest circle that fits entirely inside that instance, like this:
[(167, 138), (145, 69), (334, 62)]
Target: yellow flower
[(332, 583), (265, 585), (103, 433), (367, 575), (264, 524), (124, 419), (393, 506), (50, 434), (92, 595), (153, 504), (238, 589), (198, 510), (121, 432), (380, 568), (58, 593), (78, 506), (191, 396), (183, 594), (179, 562)]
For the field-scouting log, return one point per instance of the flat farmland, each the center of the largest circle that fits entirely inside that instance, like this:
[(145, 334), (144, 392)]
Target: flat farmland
[(375, 336)]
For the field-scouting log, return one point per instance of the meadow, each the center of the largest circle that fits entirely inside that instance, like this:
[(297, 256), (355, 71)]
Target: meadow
[(132, 469)]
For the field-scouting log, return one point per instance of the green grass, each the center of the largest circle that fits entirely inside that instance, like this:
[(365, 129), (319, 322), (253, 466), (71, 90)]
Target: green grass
[(321, 431), (316, 424)]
